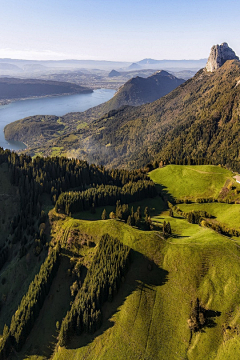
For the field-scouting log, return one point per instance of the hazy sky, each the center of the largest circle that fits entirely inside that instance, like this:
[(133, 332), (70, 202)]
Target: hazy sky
[(126, 30)]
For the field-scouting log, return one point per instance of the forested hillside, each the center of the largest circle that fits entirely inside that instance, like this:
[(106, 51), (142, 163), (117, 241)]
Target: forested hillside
[(199, 119), (33, 184), (37, 130)]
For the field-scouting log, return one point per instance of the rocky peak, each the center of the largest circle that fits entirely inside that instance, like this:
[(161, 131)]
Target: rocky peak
[(219, 55), (161, 73)]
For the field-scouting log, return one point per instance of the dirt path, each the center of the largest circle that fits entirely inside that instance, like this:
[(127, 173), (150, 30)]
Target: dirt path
[(204, 172)]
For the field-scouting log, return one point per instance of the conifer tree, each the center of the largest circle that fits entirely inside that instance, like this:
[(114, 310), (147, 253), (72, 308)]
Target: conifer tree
[(129, 220), (104, 215)]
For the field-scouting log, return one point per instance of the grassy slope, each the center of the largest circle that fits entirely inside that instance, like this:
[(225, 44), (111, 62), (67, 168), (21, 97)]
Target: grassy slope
[(227, 214), (191, 182), (151, 321), (58, 300)]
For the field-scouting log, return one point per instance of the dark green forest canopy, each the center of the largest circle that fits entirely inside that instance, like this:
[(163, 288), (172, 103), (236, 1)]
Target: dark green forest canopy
[(92, 185)]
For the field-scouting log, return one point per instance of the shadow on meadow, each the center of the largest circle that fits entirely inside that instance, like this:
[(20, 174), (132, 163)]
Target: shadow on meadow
[(143, 274)]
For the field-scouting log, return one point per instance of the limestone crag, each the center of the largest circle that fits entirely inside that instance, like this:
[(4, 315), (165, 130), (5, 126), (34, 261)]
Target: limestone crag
[(219, 55)]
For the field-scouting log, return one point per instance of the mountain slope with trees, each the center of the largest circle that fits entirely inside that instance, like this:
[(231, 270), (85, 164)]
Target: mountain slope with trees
[(138, 90), (199, 119), (39, 129)]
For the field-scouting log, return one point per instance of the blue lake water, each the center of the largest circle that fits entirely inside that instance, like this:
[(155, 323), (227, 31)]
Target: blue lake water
[(59, 106)]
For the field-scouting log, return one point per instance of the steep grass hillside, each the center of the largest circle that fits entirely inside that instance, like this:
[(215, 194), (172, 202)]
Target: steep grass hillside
[(149, 317)]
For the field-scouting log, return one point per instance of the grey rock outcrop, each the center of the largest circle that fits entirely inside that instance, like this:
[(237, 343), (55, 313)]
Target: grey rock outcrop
[(219, 55)]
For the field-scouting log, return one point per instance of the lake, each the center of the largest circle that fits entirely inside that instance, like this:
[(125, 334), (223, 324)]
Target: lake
[(59, 106)]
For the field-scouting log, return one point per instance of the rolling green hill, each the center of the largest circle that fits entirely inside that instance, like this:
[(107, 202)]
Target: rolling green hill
[(149, 317), (192, 182), (179, 297), (153, 309), (227, 214)]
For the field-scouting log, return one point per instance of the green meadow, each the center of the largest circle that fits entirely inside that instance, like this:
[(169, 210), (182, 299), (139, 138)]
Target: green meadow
[(148, 318), (191, 182), (227, 214)]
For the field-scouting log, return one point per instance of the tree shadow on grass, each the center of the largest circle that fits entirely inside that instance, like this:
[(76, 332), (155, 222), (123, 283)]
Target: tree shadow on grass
[(176, 236), (164, 194), (43, 336), (202, 318), (210, 315), (143, 274)]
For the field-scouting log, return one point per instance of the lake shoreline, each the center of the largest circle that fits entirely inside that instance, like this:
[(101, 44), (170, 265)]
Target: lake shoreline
[(59, 105)]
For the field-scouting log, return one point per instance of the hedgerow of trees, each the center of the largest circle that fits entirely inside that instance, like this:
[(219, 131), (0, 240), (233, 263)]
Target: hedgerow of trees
[(103, 195), (202, 218), (101, 283)]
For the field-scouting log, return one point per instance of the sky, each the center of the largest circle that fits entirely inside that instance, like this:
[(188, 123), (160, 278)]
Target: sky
[(125, 30)]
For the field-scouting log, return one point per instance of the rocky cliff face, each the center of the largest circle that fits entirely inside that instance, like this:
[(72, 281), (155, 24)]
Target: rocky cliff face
[(219, 55)]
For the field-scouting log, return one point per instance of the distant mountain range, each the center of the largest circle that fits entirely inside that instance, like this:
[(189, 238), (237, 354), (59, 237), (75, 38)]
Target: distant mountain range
[(182, 74), (194, 63), (47, 65)]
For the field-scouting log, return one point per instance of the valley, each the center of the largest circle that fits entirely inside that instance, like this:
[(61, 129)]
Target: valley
[(134, 92), (119, 225)]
